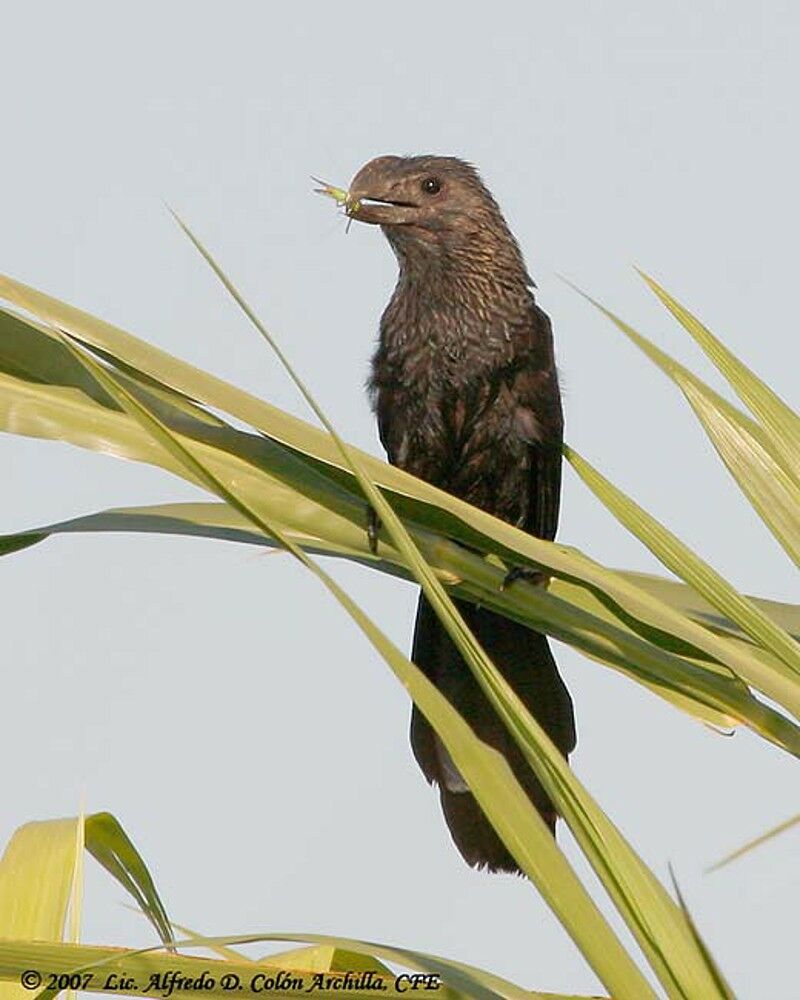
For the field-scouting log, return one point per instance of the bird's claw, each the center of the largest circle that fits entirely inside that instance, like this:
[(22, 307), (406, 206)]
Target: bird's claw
[(533, 576), (373, 527)]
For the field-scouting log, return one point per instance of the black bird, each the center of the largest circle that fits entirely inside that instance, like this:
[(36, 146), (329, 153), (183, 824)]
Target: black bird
[(465, 390)]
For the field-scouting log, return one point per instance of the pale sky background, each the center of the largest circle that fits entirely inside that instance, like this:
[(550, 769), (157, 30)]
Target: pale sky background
[(218, 702)]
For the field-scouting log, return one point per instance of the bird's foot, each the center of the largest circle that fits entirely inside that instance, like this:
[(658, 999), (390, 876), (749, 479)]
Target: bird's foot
[(533, 576), (373, 527)]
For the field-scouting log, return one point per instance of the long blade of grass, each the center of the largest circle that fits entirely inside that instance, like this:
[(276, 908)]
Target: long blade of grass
[(219, 521), (741, 443), (36, 873), (716, 974), (469, 980), (680, 559), (756, 842), (778, 419), (773, 494), (599, 635), (41, 880), (685, 600), (314, 958), (64, 414), (109, 844), (29, 351), (169, 372)]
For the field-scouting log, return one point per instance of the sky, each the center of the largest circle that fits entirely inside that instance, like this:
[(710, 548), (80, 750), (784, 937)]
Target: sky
[(217, 701)]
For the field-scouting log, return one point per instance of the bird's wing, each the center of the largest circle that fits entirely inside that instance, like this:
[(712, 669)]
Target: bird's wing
[(538, 421), (392, 427), (545, 491)]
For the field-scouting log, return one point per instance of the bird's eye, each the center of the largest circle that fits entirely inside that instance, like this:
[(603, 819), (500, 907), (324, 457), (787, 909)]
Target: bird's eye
[(431, 185)]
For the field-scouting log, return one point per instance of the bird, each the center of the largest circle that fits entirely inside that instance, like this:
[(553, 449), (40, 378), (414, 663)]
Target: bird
[(465, 390)]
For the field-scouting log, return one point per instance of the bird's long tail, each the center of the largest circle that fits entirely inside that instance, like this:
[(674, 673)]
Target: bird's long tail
[(525, 660)]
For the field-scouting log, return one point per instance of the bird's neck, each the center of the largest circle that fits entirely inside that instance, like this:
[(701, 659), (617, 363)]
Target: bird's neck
[(481, 284), (447, 323)]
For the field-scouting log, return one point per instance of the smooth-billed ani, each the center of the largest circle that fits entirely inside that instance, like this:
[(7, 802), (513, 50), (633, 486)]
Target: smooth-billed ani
[(465, 390)]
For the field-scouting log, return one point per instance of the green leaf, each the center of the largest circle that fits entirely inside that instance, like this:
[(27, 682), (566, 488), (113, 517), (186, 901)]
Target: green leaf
[(680, 559), (756, 842), (773, 494), (721, 984), (29, 351), (317, 958), (21, 540), (778, 419), (41, 880), (108, 843), (468, 980), (64, 414), (336, 953), (599, 634), (36, 875), (214, 520), (688, 602), (744, 447)]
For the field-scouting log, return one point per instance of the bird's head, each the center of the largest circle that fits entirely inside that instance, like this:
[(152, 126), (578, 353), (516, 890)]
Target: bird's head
[(436, 202)]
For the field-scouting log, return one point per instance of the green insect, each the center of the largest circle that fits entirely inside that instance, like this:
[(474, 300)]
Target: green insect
[(339, 195)]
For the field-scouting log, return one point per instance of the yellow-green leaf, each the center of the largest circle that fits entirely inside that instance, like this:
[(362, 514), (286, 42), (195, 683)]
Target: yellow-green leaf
[(778, 419)]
